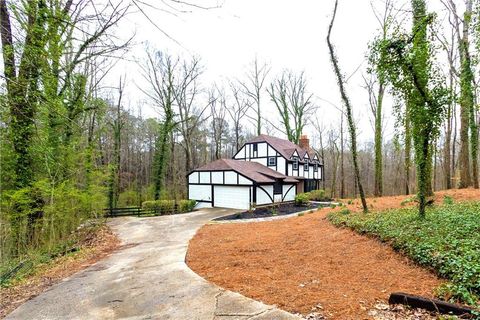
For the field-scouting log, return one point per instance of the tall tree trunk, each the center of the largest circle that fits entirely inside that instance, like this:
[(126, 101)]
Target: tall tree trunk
[(446, 147), (22, 87), (378, 191), (342, 162), (408, 152), (346, 101), (466, 107)]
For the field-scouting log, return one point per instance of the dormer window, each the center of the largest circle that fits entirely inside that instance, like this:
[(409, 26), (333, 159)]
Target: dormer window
[(272, 161), (295, 163), (315, 168), (305, 166)]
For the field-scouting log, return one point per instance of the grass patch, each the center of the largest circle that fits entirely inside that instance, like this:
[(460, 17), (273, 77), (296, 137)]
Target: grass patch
[(447, 240)]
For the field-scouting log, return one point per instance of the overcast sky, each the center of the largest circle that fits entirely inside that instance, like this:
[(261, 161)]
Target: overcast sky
[(288, 34)]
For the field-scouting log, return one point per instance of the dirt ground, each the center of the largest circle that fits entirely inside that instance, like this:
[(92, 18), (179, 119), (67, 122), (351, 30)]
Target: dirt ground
[(94, 248), (305, 264)]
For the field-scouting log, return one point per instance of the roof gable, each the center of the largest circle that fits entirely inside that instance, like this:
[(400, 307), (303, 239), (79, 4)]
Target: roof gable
[(286, 148)]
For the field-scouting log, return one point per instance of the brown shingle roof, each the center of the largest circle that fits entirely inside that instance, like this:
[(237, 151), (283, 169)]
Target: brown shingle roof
[(284, 147), (252, 170)]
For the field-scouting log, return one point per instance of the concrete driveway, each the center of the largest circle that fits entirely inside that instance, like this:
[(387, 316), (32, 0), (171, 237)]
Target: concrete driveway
[(147, 279)]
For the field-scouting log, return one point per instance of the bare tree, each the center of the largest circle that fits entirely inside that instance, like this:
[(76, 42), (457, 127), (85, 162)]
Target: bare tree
[(159, 72), (468, 156), (217, 103), (253, 87), (320, 130), (45, 48), (189, 110), (293, 102), (237, 111)]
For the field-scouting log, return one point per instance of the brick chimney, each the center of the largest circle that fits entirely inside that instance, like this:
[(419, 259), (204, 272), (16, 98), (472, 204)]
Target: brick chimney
[(303, 142)]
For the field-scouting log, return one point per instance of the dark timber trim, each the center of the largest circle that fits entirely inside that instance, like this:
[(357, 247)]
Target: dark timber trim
[(283, 196), (266, 193), (213, 195)]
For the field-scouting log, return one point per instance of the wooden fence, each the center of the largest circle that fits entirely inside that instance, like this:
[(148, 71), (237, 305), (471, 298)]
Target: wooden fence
[(137, 211), (127, 211)]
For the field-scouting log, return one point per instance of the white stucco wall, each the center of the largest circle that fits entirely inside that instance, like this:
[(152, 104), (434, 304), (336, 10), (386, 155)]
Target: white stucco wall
[(200, 192), (262, 197), (288, 195)]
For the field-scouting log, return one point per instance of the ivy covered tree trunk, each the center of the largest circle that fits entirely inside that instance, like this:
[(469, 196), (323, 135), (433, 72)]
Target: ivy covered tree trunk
[(22, 85), (161, 156), (346, 101), (408, 64), (114, 181), (422, 127), (342, 162), (408, 152), (378, 191), (468, 146)]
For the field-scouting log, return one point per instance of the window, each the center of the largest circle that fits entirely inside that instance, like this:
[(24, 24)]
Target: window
[(295, 163), (315, 168), (305, 166), (277, 187), (255, 150), (272, 161)]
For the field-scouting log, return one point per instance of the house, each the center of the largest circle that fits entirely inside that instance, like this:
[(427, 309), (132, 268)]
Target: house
[(265, 170)]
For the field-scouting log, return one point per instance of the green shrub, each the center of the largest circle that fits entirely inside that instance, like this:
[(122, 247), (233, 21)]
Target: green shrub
[(333, 206), (128, 198), (447, 199), (150, 205), (43, 220), (408, 200), (447, 240), (301, 214), (344, 211), (166, 206), (301, 199), (186, 205), (317, 195)]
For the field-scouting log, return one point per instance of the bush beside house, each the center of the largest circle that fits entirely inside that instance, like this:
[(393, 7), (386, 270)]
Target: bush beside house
[(302, 199)]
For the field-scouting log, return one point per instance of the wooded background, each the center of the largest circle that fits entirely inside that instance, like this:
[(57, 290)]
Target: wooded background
[(71, 146)]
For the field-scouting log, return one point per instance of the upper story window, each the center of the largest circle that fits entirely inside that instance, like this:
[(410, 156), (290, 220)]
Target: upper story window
[(272, 161), (305, 166), (315, 168), (295, 163), (255, 150)]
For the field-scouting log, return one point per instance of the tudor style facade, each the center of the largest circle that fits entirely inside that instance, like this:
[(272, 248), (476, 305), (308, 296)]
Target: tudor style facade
[(265, 170)]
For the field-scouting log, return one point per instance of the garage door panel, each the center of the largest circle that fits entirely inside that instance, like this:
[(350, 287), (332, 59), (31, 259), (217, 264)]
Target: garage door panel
[(231, 197)]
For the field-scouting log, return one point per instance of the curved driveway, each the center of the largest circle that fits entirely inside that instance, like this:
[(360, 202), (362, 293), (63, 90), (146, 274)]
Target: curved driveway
[(146, 279)]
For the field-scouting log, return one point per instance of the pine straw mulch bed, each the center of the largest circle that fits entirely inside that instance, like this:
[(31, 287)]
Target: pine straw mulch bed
[(92, 249), (305, 264)]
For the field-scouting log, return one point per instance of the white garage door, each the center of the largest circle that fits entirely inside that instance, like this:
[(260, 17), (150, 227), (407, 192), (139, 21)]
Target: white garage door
[(231, 197)]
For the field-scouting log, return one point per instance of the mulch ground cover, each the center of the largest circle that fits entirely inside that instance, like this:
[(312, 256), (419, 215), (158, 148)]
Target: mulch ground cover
[(270, 211), (93, 248), (305, 263)]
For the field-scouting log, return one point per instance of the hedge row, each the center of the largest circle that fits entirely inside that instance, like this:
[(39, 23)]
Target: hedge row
[(169, 206)]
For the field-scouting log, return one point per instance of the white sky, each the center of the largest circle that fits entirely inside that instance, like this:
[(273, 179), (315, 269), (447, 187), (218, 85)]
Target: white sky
[(285, 33)]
